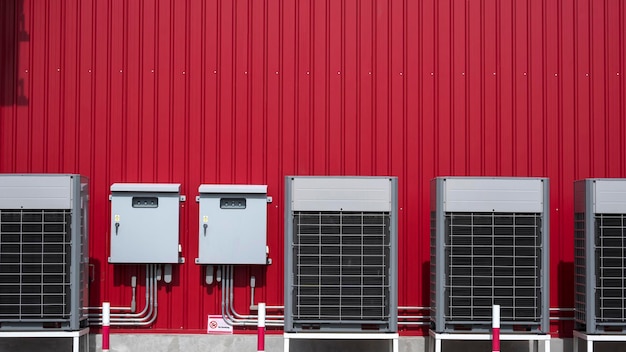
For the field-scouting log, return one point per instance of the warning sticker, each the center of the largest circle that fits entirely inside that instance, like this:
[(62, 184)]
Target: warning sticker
[(217, 325)]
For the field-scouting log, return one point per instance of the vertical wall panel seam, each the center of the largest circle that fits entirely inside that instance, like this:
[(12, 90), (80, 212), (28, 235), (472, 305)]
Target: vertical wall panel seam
[(358, 88), (466, 88), (545, 82), (77, 82), (47, 67), (155, 99), (62, 91), (591, 128), (390, 87), (374, 86), (186, 168), (249, 90), (498, 68), (218, 83), (483, 91), (606, 88), (342, 108), (514, 114), (622, 68), (124, 111), (173, 74), (140, 90), (264, 112), (233, 89), (327, 89), (435, 77), (576, 64)]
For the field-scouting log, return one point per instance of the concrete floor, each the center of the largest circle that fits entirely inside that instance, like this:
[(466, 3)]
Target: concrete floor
[(274, 343)]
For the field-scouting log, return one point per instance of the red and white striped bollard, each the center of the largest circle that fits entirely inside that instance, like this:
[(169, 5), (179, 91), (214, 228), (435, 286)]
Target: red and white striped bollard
[(261, 329), (106, 322), (495, 331)]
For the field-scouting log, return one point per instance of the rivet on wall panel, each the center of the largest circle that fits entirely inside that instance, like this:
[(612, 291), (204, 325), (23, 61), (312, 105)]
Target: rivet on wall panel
[(245, 73), (586, 75), (556, 74), (618, 73), (400, 73), (462, 73), (370, 72), (524, 73), (215, 72), (120, 71), (184, 72), (89, 70), (58, 70), (308, 72), (26, 71), (152, 71), (494, 73), (276, 72), (338, 72), (432, 73)]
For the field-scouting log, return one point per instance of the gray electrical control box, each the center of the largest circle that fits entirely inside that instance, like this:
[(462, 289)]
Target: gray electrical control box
[(145, 223), (233, 224)]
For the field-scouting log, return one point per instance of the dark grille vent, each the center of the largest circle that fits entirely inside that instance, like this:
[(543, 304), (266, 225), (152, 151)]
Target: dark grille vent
[(493, 258), (610, 268), (341, 265), (580, 266), (35, 265)]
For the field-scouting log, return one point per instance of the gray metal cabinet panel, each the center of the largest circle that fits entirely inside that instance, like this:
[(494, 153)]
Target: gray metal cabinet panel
[(232, 226), (147, 234)]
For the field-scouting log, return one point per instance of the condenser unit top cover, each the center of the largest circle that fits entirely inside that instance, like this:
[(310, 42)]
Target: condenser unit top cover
[(37, 191), (232, 224), (492, 194), (144, 223)]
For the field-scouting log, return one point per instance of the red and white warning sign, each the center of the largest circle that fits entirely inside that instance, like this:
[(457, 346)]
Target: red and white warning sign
[(217, 325)]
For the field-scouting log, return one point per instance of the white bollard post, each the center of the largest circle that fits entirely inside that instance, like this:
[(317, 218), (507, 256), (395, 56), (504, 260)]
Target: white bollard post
[(261, 329), (106, 322), (495, 331)]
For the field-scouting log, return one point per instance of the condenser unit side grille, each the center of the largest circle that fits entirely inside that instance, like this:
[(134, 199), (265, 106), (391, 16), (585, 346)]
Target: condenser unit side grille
[(493, 258), (610, 268), (341, 265), (433, 264), (35, 253), (580, 267)]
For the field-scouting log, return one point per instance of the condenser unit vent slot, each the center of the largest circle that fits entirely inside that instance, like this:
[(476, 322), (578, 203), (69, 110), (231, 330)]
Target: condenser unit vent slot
[(341, 265), (611, 267), (35, 262), (493, 258)]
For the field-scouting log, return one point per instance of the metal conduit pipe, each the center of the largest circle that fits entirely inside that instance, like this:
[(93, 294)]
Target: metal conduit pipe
[(149, 292), (151, 316), (231, 284), (231, 306), (226, 293), (151, 305), (149, 299)]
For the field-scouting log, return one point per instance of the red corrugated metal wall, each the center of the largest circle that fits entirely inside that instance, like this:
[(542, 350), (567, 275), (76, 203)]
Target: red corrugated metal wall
[(247, 91)]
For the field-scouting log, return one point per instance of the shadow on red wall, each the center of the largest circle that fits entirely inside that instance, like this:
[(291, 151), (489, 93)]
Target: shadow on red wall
[(12, 33)]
